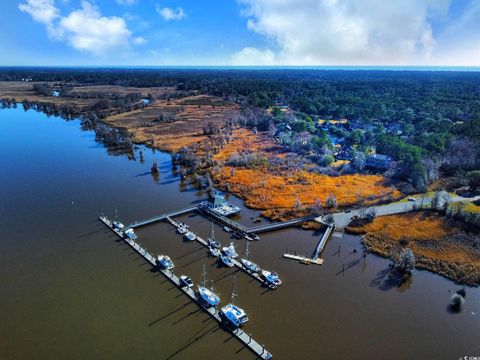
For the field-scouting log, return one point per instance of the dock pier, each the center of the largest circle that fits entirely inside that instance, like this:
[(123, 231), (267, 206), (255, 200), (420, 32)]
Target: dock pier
[(238, 264), (159, 218), (242, 336), (279, 225), (318, 249)]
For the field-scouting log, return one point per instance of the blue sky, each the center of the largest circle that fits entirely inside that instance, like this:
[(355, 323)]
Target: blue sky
[(241, 32)]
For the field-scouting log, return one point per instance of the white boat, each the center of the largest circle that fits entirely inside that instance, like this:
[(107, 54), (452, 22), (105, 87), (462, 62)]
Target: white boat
[(186, 281), (182, 229), (250, 265), (230, 251), (129, 233), (214, 251), (118, 225), (211, 240), (272, 278), (226, 260), (227, 229), (165, 262), (206, 296), (190, 236), (231, 313)]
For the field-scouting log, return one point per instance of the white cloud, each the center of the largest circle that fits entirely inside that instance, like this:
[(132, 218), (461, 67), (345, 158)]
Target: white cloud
[(126, 2), (43, 11), (253, 56), (169, 13), (139, 40), (314, 32), (84, 29)]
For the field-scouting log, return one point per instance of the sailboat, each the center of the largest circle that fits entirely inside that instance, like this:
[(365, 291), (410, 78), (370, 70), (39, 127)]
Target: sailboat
[(230, 251), (211, 240), (250, 265), (231, 313), (117, 224), (206, 296)]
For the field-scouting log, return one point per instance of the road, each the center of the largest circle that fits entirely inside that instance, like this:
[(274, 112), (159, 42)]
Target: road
[(342, 219)]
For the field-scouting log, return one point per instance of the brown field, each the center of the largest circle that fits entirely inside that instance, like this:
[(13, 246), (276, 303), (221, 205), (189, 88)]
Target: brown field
[(123, 90), (20, 90), (186, 130), (276, 191), (441, 246)]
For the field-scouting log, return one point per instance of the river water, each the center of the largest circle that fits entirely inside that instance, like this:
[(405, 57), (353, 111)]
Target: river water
[(71, 290)]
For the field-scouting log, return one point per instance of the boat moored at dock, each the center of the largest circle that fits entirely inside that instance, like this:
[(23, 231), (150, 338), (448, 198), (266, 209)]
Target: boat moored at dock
[(272, 278), (190, 236), (206, 296), (232, 314), (182, 229), (165, 262), (230, 251), (118, 225), (214, 251), (226, 260), (251, 266), (186, 281), (220, 205), (130, 234)]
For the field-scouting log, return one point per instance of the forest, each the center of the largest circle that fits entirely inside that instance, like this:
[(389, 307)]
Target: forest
[(428, 122)]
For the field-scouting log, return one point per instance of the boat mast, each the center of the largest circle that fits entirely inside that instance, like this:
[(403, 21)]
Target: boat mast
[(115, 216), (204, 276), (212, 234), (247, 251), (234, 290)]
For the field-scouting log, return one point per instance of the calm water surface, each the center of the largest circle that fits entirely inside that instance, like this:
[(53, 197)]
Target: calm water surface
[(70, 290)]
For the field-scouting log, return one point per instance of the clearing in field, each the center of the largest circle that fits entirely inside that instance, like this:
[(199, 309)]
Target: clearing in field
[(171, 124)]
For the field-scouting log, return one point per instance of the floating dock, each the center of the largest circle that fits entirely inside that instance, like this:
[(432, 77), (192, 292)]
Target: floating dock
[(239, 265), (242, 336), (319, 248), (230, 223), (162, 217), (279, 225), (304, 259)]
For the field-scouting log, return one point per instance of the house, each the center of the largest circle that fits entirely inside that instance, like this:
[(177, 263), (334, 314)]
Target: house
[(378, 162)]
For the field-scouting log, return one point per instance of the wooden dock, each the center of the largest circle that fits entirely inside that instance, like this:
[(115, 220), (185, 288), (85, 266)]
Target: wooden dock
[(242, 336), (238, 264), (316, 253), (162, 217), (323, 241), (304, 259), (239, 228), (279, 225)]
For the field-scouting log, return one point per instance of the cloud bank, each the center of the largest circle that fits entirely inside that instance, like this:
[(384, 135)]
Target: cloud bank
[(341, 32), (85, 29)]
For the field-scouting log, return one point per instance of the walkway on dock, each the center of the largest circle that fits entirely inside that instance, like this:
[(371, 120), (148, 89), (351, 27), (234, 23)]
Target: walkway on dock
[(318, 249), (238, 264), (162, 217), (280, 225), (228, 222), (246, 339)]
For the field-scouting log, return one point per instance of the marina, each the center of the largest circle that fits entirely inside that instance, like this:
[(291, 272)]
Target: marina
[(245, 338)]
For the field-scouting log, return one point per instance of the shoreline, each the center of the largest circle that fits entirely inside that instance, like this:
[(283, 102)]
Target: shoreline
[(447, 250)]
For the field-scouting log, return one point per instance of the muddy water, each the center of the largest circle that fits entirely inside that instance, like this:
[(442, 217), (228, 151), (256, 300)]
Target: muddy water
[(70, 290)]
